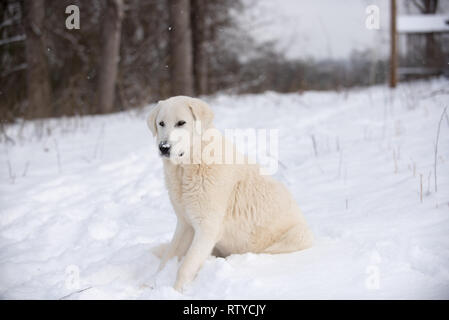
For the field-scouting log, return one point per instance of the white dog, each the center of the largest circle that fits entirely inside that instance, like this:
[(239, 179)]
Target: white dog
[(229, 208)]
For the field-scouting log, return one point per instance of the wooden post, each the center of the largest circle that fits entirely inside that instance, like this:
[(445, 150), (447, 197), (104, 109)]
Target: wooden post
[(393, 46)]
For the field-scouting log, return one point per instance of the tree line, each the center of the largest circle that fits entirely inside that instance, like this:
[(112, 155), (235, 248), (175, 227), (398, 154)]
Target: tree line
[(128, 53)]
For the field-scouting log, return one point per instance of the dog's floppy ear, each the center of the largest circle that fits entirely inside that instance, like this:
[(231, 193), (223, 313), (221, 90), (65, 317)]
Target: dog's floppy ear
[(201, 111), (151, 121)]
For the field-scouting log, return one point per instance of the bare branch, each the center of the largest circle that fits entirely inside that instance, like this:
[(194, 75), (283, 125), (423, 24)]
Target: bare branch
[(18, 38), (75, 292), (419, 6), (20, 67), (436, 146)]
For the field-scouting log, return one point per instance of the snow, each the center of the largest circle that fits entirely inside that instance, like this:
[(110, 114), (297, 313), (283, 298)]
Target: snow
[(423, 23), (83, 207)]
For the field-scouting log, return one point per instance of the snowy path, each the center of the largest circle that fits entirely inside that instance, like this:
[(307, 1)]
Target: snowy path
[(81, 208)]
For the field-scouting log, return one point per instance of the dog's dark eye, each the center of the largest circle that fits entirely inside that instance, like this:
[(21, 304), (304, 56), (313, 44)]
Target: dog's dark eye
[(162, 123), (180, 123)]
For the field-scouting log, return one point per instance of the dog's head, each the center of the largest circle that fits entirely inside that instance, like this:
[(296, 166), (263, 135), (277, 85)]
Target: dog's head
[(175, 121)]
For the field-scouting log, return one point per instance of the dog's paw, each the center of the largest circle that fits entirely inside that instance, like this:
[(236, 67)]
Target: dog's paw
[(178, 287)]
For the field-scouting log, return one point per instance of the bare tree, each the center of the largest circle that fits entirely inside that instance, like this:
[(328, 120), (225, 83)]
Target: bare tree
[(110, 54), (38, 83), (181, 71), (199, 37), (157, 57)]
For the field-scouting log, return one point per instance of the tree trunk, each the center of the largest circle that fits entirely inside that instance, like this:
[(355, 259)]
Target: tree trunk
[(110, 54), (393, 45), (181, 73), (38, 82), (199, 37)]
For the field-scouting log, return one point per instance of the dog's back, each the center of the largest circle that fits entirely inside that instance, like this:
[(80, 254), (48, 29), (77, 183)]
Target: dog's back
[(260, 211)]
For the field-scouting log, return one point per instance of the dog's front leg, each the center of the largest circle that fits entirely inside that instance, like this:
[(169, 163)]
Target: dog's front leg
[(204, 240), (182, 231)]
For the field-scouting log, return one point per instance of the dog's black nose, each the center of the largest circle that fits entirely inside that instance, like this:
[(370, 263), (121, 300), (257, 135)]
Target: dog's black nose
[(164, 147)]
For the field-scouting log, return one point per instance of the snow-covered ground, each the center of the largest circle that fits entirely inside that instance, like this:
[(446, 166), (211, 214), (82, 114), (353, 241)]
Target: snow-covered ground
[(82, 207)]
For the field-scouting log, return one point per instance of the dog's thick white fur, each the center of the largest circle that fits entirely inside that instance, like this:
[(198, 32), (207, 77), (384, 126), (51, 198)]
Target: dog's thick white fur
[(228, 208)]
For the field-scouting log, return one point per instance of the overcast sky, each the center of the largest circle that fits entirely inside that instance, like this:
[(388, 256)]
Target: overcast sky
[(318, 28)]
